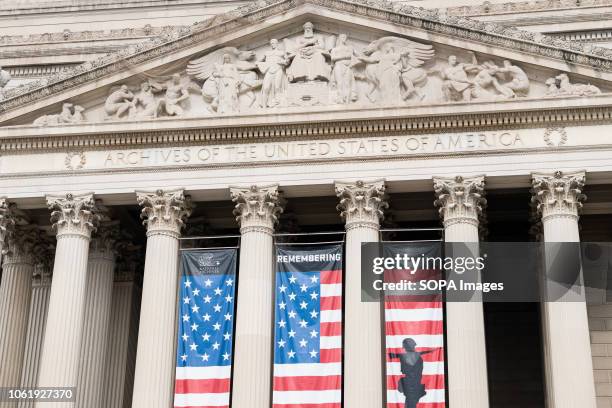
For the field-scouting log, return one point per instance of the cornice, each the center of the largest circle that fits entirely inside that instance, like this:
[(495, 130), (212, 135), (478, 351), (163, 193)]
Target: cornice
[(403, 15), (308, 125), (488, 8)]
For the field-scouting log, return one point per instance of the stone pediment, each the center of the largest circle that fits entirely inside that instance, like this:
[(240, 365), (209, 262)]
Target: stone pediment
[(302, 55)]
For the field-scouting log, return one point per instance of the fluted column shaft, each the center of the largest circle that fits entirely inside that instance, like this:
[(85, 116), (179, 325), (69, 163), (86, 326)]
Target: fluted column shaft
[(361, 206), (39, 305), (461, 201), (256, 209), (567, 347), (155, 360), (74, 220), (121, 351), (15, 291), (98, 292)]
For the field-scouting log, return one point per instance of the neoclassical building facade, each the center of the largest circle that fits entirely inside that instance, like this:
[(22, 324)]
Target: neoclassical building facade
[(249, 121)]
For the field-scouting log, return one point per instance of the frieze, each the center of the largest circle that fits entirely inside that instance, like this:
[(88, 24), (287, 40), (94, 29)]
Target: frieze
[(303, 151), (432, 20)]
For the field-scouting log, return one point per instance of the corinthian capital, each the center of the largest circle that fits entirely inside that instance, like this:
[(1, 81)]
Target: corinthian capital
[(460, 199), (164, 211), (21, 244), (361, 204), (6, 220), (558, 194), (257, 207), (103, 241), (73, 214)]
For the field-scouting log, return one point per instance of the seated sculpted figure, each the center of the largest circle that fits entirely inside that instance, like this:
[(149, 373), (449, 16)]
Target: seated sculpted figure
[(308, 59)]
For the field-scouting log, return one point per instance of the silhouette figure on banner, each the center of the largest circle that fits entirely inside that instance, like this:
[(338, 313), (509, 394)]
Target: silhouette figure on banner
[(411, 364)]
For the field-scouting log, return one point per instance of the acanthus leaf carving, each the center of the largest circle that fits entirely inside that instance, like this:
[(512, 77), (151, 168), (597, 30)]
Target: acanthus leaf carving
[(460, 199), (73, 214), (164, 211), (257, 207), (558, 194), (362, 203)]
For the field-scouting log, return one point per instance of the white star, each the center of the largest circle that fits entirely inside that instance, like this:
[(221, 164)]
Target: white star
[(282, 324), (292, 279), (216, 346), (207, 283), (207, 299), (314, 295), (303, 305), (195, 308), (281, 343), (228, 298), (193, 347), (229, 282), (303, 343), (204, 357), (291, 354), (313, 354), (314, 278), (314, 314), (188, 283), (282, 288), (291, 334), (185, 317), (185, 337), (206, 317), (218, 291), (226, 356), (292, 296), (303, 288), (217, 326), (184, 357), (303, 323), (186, 300), (227, 316), (206, 336), (217, 307), (313, 333), (196, 292), (194, 327), (282, 305), (226, 336), (292, 314)]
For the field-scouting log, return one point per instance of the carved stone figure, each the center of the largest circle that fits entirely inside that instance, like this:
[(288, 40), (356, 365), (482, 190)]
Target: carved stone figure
[(457, 85), (225, 82), (486, 84), (519, 81), (70, 114), (392, 66), (308, 58), (561, 86), (146, 99), (5, 77), (342, 76), (274, 86), (176, 93), (119, 102)]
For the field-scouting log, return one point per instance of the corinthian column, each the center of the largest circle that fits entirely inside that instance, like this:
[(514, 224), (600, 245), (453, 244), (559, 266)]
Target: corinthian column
[(164, 212), (461, 201), (361, 205), (567, 348), (98, 293), (74, 219), (39, 304), (256, 211), (15, 292)]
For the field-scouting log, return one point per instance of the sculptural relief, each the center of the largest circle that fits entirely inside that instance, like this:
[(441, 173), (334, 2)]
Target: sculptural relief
[(308, 56), (5, 77), (70, 114), (274, 86), (176, 93), (342, 75), (146, 100), (561, 86), (119, 102)]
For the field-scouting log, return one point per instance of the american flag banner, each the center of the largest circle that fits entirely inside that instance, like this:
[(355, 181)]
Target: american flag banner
[(206, 328), (308, 328), (414, 325)]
